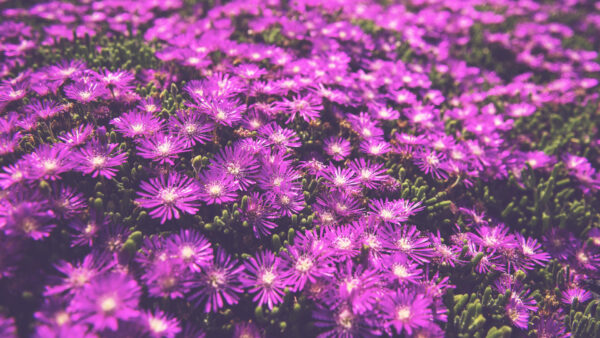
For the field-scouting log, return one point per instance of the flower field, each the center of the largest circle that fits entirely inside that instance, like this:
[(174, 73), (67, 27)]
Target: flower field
[(300, 168)]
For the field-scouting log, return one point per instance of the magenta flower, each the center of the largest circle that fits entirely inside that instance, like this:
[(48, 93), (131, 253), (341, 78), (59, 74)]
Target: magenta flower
[(107, 300), (80, 274), (218, 283), (77, 136), (569, 295), (337, 147), (136, 124), (192, 127), (191, 249), (168, 196), (85, 92), (406, 310), (265, 278), (99, 159), (48, 162), (217, 187), (162, 148), (160, 325)]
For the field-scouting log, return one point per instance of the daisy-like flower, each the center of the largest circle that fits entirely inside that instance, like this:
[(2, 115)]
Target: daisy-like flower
[(431, 162), (120, 79), (520, 109), (136, 124), (107, 300), (406, 310), (529, 248), (279, 137), (165, 278), (338, 148), (80, 274), (237, 162), (217, 187), (168, 196), (191, 126), (190, 248), (77, 136), (13, 174), (259, 213), (265, 278), (162, 148), (493, 237), (44, 109), (517, 313), (401, 270), (307, 107), (394, 212), (12, 92), (217, 284), (287, 199), (149, 105), (375, 147), (369, 174), (569, 295), (358, 286), (342, 179), (48, 162), (66, 70), (305, 264), (341, 321), (99, 159), (224, 112), (408, 240), (159, 324), (85, 92), (343, 241), (66, 202)]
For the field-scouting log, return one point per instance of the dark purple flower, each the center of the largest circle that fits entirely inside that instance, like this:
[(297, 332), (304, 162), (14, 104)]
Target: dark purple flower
[(237, 162), (259, 213), (341, 321), (169, 195), (26, 213), (408, 240)]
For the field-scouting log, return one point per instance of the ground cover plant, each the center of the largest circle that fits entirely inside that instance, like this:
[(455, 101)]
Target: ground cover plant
[(299, 168)]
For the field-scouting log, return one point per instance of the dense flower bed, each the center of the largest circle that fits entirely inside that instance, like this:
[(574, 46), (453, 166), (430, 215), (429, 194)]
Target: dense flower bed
[(300, 168)]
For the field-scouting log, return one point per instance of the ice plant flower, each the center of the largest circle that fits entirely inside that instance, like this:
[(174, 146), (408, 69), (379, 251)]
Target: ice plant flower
[(107, 300), (169, 195), (99, 159), (265, 278)]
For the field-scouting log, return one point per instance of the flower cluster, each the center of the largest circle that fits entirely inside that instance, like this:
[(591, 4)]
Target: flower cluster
[(302, 168)]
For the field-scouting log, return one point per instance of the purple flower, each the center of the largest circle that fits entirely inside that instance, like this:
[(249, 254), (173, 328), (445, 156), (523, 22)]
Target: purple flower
[(136, 124), (80, 274), (25, 213), (429, 161), (517, 313), (66, 70), (279, 137), (337, 147), (162, 148), (66, 202), (106, 300), (217, 284), (165, 278), (159, 324), (167, 196), (307, 107), (99, 159), (341, 321), (265, 278), (190, 248), (369, 174), (217, 187), (77, 136), (237, 162), (13, 174), (192, 127), (85, 92), (408, 240), (44, 109), (48, 162), (224, 112), (394, 212), (405, 310), (569, 295), (120, 79), (305, 264), (259, 213), (401, 270)]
